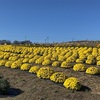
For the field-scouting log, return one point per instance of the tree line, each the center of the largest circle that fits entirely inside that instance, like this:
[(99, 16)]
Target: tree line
[(16, 42)]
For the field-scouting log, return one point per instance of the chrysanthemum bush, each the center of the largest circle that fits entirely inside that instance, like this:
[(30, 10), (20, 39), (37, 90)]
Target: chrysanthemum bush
[(98, 63), (46, 62), (32, 60), (71, 59), (2, 62), (39, 60), (34, 69), (56, 63), (93, 70), (45, 72), (90, 59), (16, 64), (8, 63), (79, 67), (98, 58), (6, 56), (80, 60), (66, 65), (61, 58), (25, 66), (25, 60), (58, 77), (72, 83), (1, 56), (13, 58)]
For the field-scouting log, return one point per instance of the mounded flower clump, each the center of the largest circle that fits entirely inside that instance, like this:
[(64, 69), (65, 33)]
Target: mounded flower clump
[(79, 67), (58, 77), (56, 64), (25, 66), (72, 83), (93, 70), (34, 69), (45, 72)]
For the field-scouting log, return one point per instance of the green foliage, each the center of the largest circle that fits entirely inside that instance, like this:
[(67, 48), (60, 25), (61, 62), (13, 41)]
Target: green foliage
[(4, 85)]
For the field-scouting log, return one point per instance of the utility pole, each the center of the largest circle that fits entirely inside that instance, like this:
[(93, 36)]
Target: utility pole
[(47, 39), (25, 38)]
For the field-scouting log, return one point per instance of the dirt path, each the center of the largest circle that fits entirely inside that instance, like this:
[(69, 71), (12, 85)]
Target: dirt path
[(26, 86)]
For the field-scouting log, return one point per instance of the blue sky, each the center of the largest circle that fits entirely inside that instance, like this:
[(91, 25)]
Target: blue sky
[(60, 20)]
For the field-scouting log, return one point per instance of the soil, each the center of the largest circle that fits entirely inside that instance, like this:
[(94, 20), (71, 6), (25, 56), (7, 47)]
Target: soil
[(27, 86)]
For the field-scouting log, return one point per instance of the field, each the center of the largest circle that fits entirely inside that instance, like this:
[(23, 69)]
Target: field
[(26, 84)]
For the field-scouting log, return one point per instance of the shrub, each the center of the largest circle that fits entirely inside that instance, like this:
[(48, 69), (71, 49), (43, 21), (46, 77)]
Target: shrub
[(98, 63), (13, 58), (4, 85), (25, 66), (79, 60), (90, 61), (1, 56), (72, 83), (66, 65), (79, 67), (26, 60), (61, 58), (92, 70), (32, 60), (45, 72), (8, 63), (39, 60), (71, 59), (46, 62), (16, 64), (6, 56), (98, 58), (58, 77), (56, 63), (2, 62), (34, 69)]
